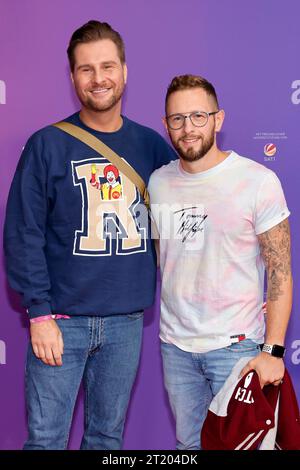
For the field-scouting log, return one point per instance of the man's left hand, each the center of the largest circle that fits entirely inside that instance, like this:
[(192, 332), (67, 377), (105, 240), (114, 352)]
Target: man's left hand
[(270, 369)]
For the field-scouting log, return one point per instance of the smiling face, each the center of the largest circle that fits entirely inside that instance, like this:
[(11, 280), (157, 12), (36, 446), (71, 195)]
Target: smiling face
[(193, 143), (111, 177), (99, 77)]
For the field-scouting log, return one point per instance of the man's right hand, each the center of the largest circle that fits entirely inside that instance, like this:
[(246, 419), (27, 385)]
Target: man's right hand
[(47, 342)]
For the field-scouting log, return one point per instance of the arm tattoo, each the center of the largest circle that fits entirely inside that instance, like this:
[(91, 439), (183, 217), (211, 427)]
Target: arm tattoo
[(275, 251)]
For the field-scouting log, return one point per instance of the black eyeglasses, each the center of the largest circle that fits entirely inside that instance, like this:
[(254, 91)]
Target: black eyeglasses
[(197, 118)]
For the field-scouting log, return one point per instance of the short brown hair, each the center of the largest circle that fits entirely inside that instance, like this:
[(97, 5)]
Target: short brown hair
[(186, 82), (91, 31)]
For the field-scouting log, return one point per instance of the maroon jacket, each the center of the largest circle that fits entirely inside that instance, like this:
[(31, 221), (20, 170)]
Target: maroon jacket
[(242, 416)]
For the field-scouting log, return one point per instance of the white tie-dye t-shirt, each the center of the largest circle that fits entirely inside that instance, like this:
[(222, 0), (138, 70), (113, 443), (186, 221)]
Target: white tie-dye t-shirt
[(211, 268)]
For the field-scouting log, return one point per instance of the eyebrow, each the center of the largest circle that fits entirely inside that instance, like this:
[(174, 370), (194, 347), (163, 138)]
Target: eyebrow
[(189, 112), (108, 62)]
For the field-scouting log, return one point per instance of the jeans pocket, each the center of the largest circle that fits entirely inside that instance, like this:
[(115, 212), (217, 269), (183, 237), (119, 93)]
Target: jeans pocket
[(247, 345), (135, 315)]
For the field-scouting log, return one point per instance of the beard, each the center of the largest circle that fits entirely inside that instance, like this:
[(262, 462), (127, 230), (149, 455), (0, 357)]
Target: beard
[(93, 105), (191, 155)]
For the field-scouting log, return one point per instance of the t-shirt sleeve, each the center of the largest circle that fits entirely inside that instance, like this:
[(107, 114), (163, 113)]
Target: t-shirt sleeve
[(271, 207)]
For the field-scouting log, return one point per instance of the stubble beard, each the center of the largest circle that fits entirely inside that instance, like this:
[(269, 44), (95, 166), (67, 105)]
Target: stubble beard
[(92, 105), (191, 155)]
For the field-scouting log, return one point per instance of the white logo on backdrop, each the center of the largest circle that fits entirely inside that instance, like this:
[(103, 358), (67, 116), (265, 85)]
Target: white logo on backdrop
[(2, 92), (2, 352), (296, 354), (295, 97)]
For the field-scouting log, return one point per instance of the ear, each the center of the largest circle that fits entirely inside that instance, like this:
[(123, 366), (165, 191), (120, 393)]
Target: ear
[(219, 120), (125, 72), (72, 78)]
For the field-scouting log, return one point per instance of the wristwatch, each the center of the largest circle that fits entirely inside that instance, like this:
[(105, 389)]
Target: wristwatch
[(274, 349)]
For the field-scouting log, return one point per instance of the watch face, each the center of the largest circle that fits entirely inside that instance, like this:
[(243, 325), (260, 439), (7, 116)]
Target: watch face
[(278, 351)]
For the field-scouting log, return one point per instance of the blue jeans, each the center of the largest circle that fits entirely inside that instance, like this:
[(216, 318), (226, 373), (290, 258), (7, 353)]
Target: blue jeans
[(103, 352), (193, 379)]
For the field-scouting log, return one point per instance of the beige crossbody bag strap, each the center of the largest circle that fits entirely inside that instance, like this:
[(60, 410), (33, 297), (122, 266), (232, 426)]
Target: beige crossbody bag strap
[(100, 147)]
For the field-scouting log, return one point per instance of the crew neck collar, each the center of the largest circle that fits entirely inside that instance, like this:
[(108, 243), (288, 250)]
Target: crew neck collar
[(102, 133), (211, 171)]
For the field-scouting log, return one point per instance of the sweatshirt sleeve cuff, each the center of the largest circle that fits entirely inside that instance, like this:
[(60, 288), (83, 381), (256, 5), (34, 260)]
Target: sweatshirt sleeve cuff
[(39, 310)]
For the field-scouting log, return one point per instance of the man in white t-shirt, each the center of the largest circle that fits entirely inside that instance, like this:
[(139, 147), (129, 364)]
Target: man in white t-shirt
[(221, 220)]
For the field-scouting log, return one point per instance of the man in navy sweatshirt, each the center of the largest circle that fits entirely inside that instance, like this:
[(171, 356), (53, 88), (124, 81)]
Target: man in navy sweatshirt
[(78, 250)]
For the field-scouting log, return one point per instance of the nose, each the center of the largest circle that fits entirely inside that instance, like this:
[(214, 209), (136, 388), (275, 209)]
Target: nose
[(188, 126), (98, 76)]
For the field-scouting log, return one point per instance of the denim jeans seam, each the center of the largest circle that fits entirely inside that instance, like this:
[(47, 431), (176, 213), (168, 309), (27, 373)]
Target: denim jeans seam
[(97, 332), (240, 346), (90, 328), (86, 405), (92, 335), (101, 331), (242, 350), (197, 362), (70, 422)]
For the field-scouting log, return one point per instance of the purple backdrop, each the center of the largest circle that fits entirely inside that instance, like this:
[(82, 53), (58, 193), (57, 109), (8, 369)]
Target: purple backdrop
[(249, 50)]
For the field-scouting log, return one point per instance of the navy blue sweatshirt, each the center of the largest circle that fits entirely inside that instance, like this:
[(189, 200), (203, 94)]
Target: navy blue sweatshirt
[(76, 234)]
